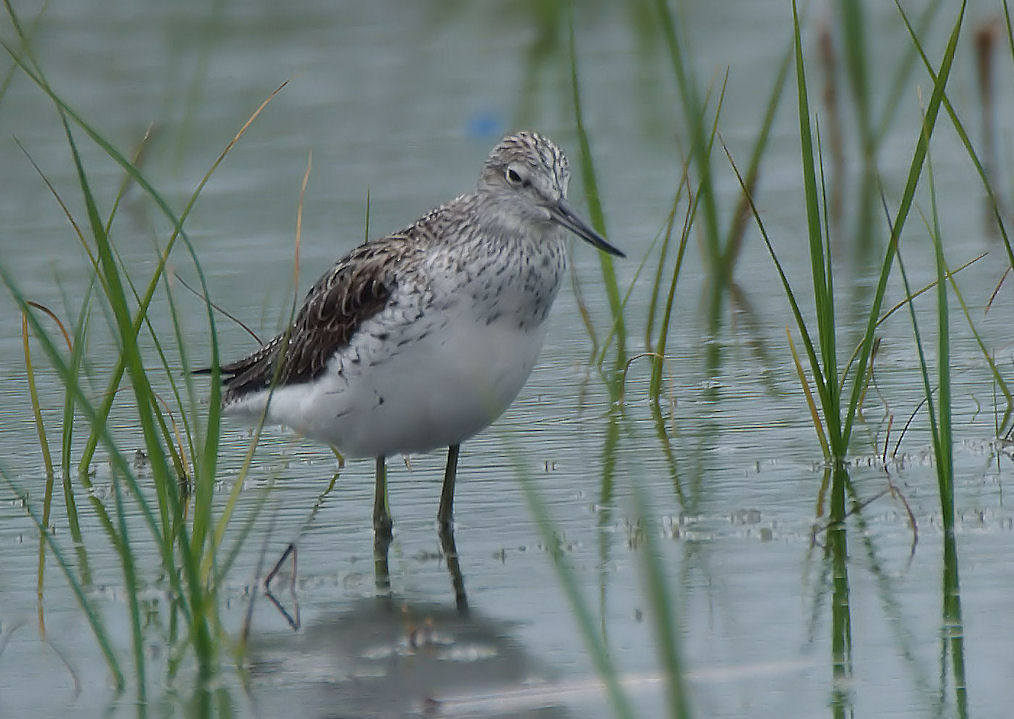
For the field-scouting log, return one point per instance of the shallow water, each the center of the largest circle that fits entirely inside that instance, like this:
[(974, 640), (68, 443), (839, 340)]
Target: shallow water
[(402, 102)]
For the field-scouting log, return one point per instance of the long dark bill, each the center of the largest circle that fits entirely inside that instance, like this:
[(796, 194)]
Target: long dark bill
[(565, 216)]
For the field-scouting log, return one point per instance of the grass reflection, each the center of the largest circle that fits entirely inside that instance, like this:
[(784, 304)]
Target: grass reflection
[(952, 636), (836, 553)]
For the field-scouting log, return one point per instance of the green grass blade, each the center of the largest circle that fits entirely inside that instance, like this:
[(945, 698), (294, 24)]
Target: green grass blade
[(943, 442), (939, 411), (76, 363), (655, 384), (814, 414), (908, 196), (595, 213), (693, 111), (33, 393), (208, 457), (656, 285), (117, 460), (924, 369), (822, 289), (959, 127), (797, 314), (987, 356)]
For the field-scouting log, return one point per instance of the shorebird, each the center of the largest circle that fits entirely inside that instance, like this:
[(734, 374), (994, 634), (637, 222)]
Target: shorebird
[(421, 339)]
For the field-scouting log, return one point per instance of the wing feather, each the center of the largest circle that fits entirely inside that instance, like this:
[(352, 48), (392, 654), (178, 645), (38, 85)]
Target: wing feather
[(358, 287)]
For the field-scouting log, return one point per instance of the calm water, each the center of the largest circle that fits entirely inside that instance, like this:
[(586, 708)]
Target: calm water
[(402, 101)]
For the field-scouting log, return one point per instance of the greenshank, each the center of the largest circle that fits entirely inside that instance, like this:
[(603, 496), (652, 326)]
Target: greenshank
[(421, 339)]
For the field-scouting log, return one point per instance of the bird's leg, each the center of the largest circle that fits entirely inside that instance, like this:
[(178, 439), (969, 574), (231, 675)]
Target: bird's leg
[(292, 619), (446, 510), (381, 513), (291, 549), (381, 572), (450, 551)]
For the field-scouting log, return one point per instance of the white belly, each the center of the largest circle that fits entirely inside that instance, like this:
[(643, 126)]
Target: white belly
[(431, 392)]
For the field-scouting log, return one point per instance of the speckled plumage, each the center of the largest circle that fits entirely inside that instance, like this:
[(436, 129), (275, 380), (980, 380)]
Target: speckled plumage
[(420, 339)]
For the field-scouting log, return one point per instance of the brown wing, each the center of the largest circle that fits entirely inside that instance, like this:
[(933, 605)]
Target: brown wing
[(358, 287)]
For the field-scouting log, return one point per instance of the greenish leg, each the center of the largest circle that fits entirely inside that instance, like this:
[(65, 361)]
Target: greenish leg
[(446, 510), (381, 571), (450, 550), (381, 513)]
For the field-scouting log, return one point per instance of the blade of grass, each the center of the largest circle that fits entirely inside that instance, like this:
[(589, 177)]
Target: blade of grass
[(900, 304), (656, 285), (967, 143), (939, 412), (694, 117), (75, 364), (595, 213), (47, 502), (33, 394), (819, 261), (943, 442), (655, 384), (116, 458), (927, 388), (786, 286), (915, 170), (987, 355), (818, 426)]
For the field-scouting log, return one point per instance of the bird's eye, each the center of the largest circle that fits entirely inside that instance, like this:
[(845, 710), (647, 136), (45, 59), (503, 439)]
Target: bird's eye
[(512, 176)]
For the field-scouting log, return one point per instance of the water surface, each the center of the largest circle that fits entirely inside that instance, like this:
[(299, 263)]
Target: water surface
[(401, 102)]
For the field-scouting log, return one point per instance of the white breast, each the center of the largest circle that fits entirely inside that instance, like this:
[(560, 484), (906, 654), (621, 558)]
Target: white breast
[(438, 365)]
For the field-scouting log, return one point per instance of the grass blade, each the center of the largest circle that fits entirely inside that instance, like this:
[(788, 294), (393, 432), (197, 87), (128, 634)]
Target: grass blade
[(693, 111), (908, 196), (595, 213), (819, 261)]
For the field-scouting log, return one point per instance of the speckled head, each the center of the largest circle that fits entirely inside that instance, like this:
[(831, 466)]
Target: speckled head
[(524, 180), (526, 161)]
